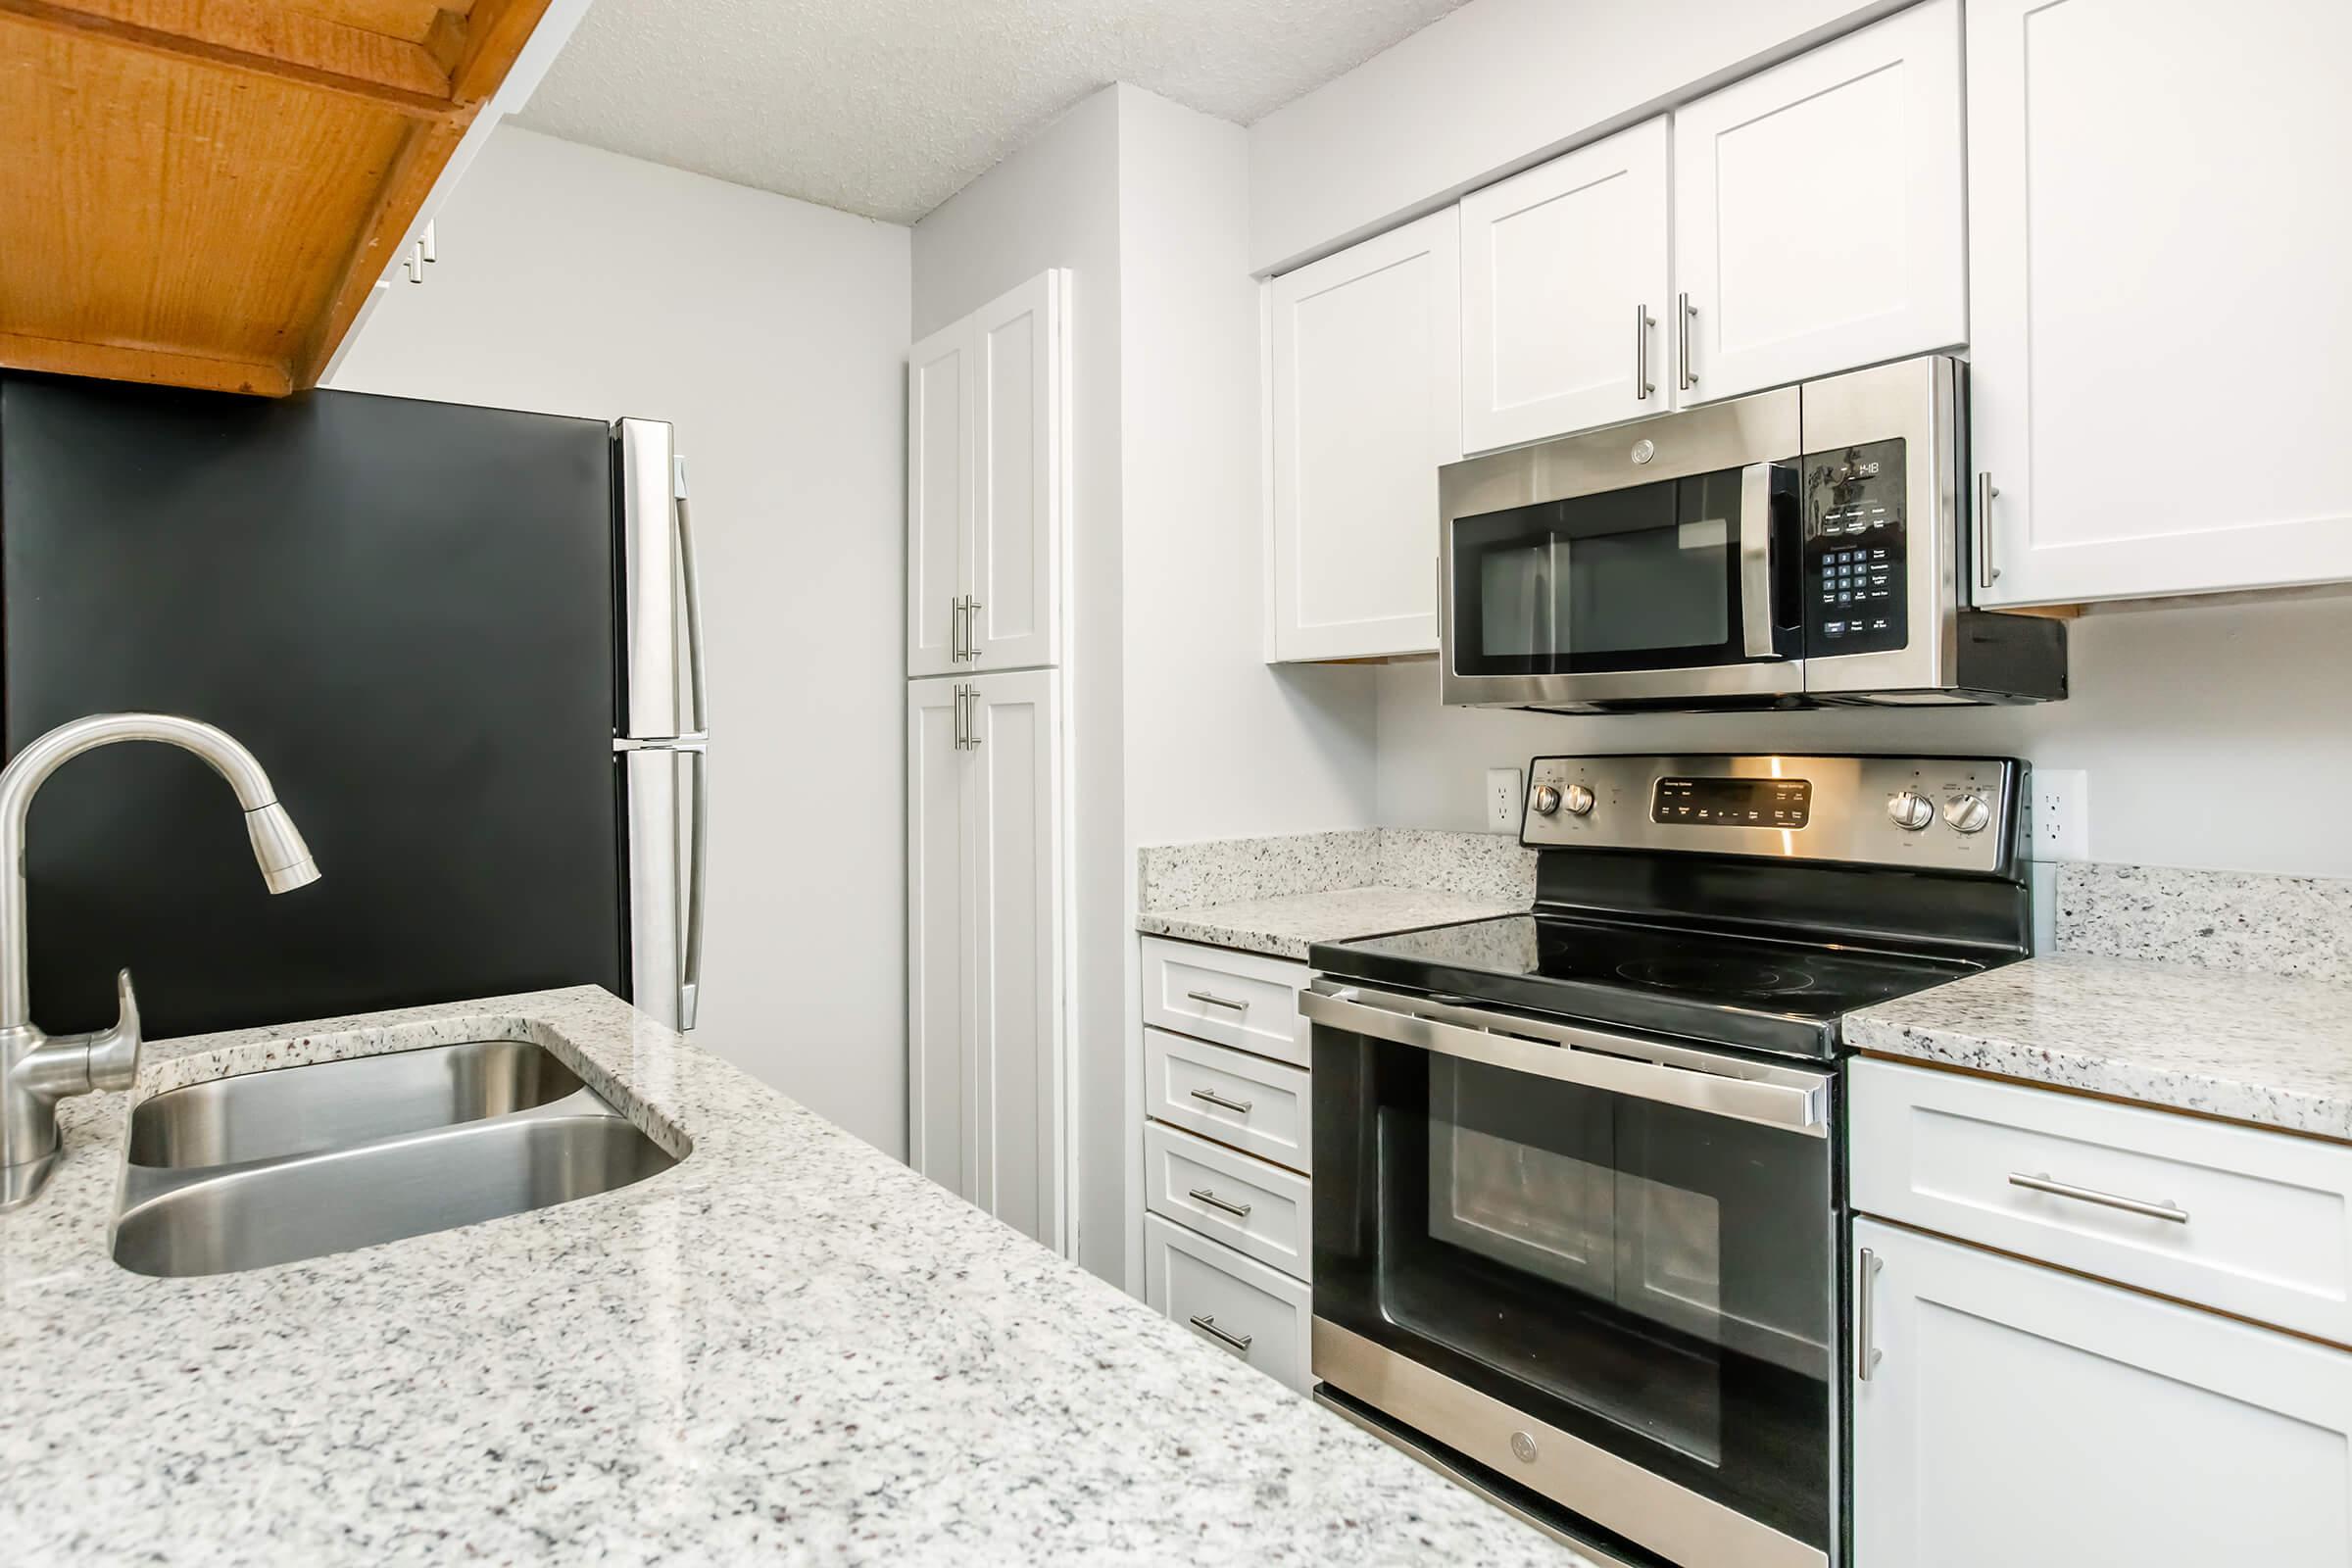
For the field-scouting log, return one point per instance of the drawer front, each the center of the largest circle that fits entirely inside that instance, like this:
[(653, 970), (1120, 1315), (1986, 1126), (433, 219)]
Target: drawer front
[(1243, 1307), (1241, 999), (1256, 1105), (1249, 1205), (2267, 1233)]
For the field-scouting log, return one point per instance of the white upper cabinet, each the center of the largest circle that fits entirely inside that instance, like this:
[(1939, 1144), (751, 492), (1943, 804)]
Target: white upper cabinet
[(1820, 219), (2158, 233), (1566, 293), (986, 453), (1363, 395)]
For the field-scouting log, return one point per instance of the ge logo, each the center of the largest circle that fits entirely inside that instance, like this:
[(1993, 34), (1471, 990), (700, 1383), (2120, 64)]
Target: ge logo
[(1643, 451), (1522, 1445)]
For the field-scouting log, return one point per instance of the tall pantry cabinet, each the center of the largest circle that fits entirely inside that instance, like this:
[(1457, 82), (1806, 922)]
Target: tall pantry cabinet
[(986, 484)]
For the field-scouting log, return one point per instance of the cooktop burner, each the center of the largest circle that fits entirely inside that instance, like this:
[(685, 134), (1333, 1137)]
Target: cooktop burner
[(1701, 974)]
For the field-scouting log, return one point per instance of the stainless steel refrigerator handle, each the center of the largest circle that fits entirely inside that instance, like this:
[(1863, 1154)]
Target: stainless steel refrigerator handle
[(690, 972), (1783, 1097), (692, 587), (1755, 558)]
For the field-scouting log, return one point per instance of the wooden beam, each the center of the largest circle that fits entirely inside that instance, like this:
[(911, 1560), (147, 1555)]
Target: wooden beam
[(406, 186), (418, 105), (159, 366), (495, 32)]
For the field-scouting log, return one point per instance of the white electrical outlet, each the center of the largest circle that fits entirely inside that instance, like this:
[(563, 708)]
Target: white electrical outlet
[(2061, 815), (1503, 800)]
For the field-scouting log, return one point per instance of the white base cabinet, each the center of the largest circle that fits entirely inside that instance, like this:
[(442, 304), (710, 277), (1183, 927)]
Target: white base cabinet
[(1240, 1305), (987, 1063), (2017, 1415)]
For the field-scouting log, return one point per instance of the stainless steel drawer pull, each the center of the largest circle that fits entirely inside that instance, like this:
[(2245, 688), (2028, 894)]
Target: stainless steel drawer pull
[(1209, 999), (1240, 1107), (1238, 1343), (1237, 1210), (1866, 1333), (2041, 1183)]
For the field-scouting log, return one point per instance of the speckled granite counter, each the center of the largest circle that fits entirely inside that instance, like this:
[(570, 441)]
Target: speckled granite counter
[(1286, 927), (788, 1347), (2251, 1048)]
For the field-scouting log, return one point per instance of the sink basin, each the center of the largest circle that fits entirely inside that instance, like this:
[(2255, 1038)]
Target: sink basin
[(275, 1167)]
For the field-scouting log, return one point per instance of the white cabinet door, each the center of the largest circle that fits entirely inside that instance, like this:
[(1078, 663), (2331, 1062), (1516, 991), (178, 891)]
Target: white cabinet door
[(1016, 394), (939, 497), (1015, 1074), (1820, 219), (2032, 1418), (2157, 234), (939, 994), (1566, 282), (1363, 403)]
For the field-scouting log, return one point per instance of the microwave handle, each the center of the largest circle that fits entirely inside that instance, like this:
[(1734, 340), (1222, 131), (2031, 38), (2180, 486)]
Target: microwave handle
[(1755, 558)]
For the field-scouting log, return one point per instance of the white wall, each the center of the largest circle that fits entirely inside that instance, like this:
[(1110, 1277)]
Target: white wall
[(2214, 736), (773, 334), (1056, 202), (1496, 86)]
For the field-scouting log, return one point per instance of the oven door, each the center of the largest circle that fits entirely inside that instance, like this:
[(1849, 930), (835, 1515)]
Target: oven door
[(1599, 1265), (1656, 562)]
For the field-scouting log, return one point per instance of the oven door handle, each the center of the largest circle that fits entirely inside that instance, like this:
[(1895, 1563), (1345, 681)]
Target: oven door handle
[(1755, 560), (1783, 1097)]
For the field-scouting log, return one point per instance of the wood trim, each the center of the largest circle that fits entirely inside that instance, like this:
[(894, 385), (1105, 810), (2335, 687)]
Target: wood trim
[(157, 366), (405, 188), (421, 104), (495, 32)]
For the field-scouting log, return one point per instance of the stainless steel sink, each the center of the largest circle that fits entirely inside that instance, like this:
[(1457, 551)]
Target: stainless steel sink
[(279, 1166)]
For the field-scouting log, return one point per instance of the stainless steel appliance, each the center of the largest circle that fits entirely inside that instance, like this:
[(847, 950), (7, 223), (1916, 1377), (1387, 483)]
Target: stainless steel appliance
[(1798, 547), (467, 642), (1578, 1203)]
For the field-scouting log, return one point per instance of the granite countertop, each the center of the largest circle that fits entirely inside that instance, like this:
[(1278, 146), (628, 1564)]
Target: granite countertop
[(788, 1346), (2251, 1048), (1286, 927)]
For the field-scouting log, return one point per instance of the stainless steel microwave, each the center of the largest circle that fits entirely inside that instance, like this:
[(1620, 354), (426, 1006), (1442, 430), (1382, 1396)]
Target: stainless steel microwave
[(1798, 547)]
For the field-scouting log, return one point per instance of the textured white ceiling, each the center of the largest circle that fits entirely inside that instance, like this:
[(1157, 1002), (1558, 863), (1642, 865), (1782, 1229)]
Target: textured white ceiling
[(890, 107)]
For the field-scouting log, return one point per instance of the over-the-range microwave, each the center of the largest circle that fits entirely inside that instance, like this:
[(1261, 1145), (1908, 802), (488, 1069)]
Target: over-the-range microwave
[(1798, 547)]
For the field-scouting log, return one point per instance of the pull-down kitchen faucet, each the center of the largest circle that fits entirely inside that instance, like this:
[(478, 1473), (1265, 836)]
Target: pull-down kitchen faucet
[(36, 1071)]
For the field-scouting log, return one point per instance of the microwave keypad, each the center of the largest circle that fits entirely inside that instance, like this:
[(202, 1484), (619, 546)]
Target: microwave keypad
[(1854, 550)]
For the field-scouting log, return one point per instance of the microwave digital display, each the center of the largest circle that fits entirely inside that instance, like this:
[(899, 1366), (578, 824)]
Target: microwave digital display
[(1857, 590), (1784, 802)]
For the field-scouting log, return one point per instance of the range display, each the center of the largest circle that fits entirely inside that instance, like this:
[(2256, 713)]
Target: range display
[(1786, 803)]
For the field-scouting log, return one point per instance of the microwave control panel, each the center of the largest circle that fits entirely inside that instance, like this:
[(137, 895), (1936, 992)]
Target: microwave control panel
[(1855, 590)]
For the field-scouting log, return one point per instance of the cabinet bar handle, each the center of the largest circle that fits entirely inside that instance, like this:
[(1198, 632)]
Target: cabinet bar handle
[(972, 718), (971, 628), (1642, 323), (1685, 377), (1866, 1334), (1238, 1343), (955, 630), (1237, 1210), (960, 717), (2042, 1183), (1238, 1106), (1986, 572), (1212, 999)]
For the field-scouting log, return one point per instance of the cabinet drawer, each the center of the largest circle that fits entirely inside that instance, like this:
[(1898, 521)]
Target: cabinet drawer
[(1235, 999), (1257, 1105), (2268, 1229), (1239, 1306), (1246, 1203)]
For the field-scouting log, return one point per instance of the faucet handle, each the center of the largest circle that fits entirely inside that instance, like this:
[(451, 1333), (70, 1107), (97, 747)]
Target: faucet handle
[(115, 1054)]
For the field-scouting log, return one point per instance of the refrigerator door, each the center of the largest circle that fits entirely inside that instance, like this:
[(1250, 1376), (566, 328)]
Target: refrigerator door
[(661, 694), (662, 801), (405, 610)]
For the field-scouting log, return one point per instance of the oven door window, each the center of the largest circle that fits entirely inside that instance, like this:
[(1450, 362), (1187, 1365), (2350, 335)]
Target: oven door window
[(1651, 1279), (1646, 577)]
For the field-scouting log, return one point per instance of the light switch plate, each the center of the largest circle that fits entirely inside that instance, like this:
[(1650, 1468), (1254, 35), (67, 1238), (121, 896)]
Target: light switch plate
[(2061, 815), (1504, 798)]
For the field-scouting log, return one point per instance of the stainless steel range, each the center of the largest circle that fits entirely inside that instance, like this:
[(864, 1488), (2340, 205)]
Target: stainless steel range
[(1579, 1173)]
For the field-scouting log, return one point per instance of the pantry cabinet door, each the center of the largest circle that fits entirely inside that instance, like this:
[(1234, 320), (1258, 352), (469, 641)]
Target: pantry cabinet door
[(1017, 395), (2157, 241), (941, 1139), (1566, 282), (939, 496), (1363, 400), (2017, 1415), (1820, 219)]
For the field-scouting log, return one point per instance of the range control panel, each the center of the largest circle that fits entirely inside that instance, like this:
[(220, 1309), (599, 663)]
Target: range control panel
[(1855, 588), (1945, 813)]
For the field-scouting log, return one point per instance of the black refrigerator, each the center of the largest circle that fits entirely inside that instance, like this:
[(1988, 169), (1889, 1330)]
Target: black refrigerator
[(465, 644)]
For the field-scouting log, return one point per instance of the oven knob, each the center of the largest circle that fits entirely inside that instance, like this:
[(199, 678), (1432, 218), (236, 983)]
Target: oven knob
[(1910, 810), (1968, 814), (1578, 802), (1546, 799)]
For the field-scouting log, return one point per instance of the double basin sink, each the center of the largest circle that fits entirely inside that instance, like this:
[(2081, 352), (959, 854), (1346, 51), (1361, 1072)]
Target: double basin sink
[(273, 1167)]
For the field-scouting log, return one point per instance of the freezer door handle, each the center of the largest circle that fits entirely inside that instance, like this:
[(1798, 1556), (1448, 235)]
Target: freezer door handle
[(690, 979), (691, 583)]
